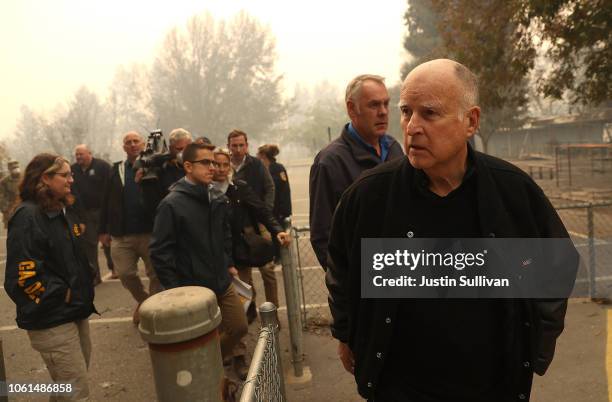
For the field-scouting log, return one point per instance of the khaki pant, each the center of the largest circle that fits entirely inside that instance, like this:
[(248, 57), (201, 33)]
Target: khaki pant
[(233, 324), (66, 350), (268, 277), (125, 252)]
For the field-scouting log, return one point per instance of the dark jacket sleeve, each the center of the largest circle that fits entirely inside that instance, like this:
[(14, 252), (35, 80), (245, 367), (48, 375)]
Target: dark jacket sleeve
[(106, 170), (336, 276), (29, 283), (227, 240), (260, 211), (152, 193), (268, 184), (550, 313), (283, 192), (322, 205), (104, 209), (162, 248), (78, 207)]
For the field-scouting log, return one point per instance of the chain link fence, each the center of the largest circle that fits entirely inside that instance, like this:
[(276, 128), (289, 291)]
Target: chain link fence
[(311, 279), (265, 381), (589, 225)]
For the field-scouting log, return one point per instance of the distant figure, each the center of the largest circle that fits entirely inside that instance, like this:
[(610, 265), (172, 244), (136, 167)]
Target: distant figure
[(202, 140), (363, 144), (172, 170), (282, 192), (254, 173), (90, 179), (154, 190), (9, 190)]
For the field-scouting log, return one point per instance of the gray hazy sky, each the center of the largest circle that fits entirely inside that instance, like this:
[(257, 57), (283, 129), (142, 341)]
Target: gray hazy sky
[(50, 48)]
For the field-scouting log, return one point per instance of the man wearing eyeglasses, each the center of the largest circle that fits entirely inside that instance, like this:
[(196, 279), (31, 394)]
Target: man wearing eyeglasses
[(125, 220), (191, 243)]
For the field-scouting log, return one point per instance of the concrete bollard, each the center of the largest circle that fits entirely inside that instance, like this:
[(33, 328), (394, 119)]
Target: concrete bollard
[(180, 326)]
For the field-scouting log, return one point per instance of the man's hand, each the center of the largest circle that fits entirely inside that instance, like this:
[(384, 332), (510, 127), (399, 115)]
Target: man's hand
[(346, 357), (82, 227), (233, 271), (105, 239), (138, 175), (284, 239)]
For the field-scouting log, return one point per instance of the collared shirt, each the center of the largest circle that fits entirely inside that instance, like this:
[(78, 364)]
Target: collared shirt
[(239, 166), (383, 141), (219, 188)]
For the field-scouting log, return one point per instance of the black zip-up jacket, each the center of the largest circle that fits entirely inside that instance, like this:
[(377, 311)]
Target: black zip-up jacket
[(111, 213), (334, 169), (91, 184), (282, 192), (258, 177), (44, 262), (191, 244), (246, 210), (510, 205)]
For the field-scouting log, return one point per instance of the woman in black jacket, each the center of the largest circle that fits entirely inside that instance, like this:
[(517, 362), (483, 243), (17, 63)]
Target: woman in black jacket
[(48, 276), (246, 211), (282, 191)]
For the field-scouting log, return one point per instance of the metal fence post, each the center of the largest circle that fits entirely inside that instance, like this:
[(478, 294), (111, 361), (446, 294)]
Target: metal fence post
[(288, 260), (269, 317), (298, 266), (592, 267)]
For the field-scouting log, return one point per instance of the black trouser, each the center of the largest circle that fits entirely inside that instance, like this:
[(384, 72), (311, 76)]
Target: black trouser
[(109, 259)]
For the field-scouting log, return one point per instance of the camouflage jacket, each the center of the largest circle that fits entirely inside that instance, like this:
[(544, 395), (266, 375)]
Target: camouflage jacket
[(8, 192)]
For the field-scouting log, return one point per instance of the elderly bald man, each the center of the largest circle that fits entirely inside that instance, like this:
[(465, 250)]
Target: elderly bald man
[(128, 224), (441, 349), (90, 178)]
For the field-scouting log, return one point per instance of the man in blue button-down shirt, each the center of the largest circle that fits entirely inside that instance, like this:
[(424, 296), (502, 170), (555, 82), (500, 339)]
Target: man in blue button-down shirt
[(363, 144)]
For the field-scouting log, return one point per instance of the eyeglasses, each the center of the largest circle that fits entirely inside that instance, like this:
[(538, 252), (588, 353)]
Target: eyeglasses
[(64, 175), (207, 162)]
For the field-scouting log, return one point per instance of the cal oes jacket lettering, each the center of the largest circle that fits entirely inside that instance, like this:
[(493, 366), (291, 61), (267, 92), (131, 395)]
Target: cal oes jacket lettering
[(48, 276)]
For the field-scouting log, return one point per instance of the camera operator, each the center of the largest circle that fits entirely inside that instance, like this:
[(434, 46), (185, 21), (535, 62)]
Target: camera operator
[(156, 187), (125, 220), (172, 170)]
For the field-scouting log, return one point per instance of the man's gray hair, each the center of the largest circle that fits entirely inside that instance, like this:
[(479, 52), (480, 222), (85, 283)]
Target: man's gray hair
[(353, 89), (136, 133), (469, 95), (179, 134)]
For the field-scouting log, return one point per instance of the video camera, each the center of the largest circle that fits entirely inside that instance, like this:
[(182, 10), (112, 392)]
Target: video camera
[(154, 156)]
